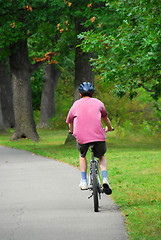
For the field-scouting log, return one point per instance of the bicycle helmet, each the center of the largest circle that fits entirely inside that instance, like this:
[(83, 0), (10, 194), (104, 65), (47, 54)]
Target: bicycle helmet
[(86, 88)]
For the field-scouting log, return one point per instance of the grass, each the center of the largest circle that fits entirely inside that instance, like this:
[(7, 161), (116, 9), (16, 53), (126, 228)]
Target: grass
[(134, 168)]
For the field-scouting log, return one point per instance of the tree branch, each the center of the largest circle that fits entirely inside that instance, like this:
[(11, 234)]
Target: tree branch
[(36, 65), (157, 107), (146, 88), (40, 63)]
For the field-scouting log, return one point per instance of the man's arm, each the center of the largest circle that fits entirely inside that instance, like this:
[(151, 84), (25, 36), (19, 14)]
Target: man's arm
[(71, 127), (108, 124)]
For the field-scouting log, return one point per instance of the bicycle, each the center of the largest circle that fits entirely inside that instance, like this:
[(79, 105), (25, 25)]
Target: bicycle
[(94, 183)]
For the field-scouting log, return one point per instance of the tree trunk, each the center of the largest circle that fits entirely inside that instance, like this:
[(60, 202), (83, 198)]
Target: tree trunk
[(1, 116), (51, 76), (83, 70), (6, 96), (21, 71)]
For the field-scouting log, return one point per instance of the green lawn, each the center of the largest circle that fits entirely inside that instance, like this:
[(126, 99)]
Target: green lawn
[(134, 168)]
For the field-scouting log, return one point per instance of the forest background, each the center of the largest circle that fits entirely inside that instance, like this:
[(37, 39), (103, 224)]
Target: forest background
[(115, 44)]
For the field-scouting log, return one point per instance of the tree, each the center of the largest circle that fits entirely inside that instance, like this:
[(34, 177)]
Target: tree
[(50, 80), (130, 54), (6, 95), (83, 68), (80, 16), (18, 22), (51, 70), (22, 70), (1, 117)]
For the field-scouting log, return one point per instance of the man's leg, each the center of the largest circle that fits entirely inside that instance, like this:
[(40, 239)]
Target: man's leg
[(103, 163), (103, 167), (83, 167), (83, 163)]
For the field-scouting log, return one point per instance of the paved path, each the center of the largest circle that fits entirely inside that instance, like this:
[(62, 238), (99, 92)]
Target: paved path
[(40, 200)]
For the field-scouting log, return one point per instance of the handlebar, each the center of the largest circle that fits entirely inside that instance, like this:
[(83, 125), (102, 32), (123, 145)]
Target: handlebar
[(104, 129), (111, 130)]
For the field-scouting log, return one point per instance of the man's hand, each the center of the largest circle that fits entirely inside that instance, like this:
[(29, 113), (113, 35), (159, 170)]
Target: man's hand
[(109, 130), (108, 124), (71, 128)]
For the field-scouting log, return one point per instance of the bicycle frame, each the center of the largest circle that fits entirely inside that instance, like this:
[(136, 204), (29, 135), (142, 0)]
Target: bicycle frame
[(94, 184)]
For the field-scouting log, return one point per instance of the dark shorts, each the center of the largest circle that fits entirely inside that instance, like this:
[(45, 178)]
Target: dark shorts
[(99, 148)]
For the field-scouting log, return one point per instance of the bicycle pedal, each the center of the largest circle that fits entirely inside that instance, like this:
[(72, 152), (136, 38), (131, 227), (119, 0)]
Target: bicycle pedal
[(90, 196)]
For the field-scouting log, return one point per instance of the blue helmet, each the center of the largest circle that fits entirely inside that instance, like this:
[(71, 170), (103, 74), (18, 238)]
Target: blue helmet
[(86, 88)]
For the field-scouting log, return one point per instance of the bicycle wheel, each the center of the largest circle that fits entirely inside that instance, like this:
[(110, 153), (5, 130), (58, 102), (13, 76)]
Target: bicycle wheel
[(95, 189)]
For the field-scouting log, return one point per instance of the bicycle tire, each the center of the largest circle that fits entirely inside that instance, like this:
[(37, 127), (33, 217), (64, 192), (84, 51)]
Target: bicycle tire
[(95, 188)]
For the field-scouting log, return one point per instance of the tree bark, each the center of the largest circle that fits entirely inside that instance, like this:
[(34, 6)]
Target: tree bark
[(51, 76), (21, 71), (83, 70), (1, 117), (6, 96)]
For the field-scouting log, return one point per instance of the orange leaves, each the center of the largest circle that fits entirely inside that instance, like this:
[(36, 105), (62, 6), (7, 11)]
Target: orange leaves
[(89, 5), (99, 25), (58, 26), (28, 8), (62, 29), (13, 25), (69, 4), (38, 59), (56, 54), (47, 57), (93, 19), (53, 61)]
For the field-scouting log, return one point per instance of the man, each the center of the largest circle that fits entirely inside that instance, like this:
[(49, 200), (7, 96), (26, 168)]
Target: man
[(84, 119)]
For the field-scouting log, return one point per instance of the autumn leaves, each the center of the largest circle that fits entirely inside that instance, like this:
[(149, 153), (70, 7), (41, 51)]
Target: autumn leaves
[(47, 57)]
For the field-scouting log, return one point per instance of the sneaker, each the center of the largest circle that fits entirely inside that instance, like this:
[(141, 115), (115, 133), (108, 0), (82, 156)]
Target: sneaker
[(83, 185), (106, 186)]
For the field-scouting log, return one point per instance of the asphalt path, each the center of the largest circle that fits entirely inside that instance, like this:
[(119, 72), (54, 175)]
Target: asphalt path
[(40, 200)]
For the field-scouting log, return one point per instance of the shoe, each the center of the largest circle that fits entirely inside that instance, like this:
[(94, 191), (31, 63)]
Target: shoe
[(83, 185), (106, 186)]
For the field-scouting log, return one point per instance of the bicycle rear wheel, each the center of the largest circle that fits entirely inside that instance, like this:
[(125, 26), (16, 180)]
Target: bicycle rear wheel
[(95, 188)]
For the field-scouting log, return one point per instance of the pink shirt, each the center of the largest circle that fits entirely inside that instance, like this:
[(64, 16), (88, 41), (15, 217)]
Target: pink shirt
[(86, 115)]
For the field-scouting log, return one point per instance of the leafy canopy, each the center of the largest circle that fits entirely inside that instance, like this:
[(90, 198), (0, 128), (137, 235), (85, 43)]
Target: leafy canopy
[(129, 52), (21, 19)]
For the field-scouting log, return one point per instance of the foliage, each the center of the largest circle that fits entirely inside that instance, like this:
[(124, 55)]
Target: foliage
[(21, 20), (135, 115), (64, 98), (36, 86), (130, 54)]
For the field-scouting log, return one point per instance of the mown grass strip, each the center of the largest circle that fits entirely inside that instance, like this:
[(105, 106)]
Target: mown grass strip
[(134, 168)]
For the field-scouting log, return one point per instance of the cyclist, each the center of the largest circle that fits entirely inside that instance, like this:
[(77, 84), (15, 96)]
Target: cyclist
[(84, 119)]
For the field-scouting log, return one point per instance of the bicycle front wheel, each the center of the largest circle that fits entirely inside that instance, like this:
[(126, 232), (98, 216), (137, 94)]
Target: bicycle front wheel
[(95, 188)]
